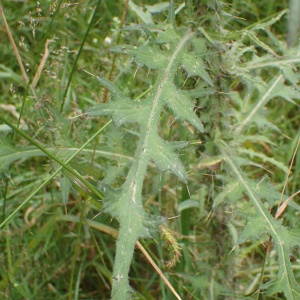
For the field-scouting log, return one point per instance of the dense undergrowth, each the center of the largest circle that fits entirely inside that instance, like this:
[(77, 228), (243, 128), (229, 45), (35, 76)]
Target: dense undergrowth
[(204, 101)]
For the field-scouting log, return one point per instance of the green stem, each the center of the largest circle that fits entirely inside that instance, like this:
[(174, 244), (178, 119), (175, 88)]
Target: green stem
[(76, 249), (134, 183), (54, 174), (27, 137), (78, 54)]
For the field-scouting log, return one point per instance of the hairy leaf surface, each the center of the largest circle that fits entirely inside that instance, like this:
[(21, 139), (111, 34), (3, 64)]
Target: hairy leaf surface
[(125, 203)]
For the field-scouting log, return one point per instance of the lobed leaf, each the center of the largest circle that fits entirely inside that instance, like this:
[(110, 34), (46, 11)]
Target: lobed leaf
[(148, 56), (163, 155), (262, 222), (125, 203), (265, 158), (194, 66), (179, 102)]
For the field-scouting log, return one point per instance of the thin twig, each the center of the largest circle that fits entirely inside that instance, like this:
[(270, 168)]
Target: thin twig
[(18, 59), (113, 232), (41, 65), (287, 177), (154, 265), (11, 39)]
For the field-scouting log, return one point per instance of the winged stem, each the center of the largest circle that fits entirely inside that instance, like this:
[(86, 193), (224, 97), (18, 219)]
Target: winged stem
[(132, 188)]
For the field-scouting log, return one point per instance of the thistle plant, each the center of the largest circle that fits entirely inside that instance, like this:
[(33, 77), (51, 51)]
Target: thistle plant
[(125, 203), (171, 48), (225, 85)]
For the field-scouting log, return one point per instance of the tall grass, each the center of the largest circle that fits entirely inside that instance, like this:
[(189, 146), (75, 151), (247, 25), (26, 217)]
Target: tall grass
[(233, 121)]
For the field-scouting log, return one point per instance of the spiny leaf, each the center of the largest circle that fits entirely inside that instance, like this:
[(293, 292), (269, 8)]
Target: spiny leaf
[(125, 203), (167, 35), (171, 14), (267, 24), (194, 66), (289, 75), (156, 8), (232, 191), (262, 122), (262, 222), (121, 109), (286, 92), (265, 158), (199, 92), (146, 17), (182, 106), (148, 56), (264, 190), (114, 201), (256, 225), (286, 65), (163, 155), (285, 282)]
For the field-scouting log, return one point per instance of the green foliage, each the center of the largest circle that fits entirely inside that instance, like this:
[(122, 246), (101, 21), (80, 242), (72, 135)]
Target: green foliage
[(216, 102), (182, 51), (125, 203)]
